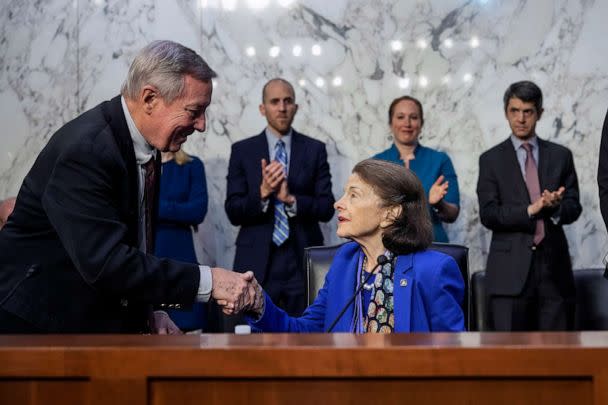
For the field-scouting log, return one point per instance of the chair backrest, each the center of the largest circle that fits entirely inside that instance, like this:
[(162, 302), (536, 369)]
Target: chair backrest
[(591, 300), (479, 312), (319, 258)]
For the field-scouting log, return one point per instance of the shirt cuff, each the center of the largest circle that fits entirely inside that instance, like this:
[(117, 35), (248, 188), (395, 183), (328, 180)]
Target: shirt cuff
[(205, 284), (292, 210), (265, 204)]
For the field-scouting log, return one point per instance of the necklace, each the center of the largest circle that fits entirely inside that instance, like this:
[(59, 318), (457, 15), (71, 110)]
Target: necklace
[(364, 276)]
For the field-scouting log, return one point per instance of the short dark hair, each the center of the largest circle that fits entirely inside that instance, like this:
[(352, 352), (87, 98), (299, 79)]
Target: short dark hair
[(391, 109), (277, 79), (396, 185), (526, 91)]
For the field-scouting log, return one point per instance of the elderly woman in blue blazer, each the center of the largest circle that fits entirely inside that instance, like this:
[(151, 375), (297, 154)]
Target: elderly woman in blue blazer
[(384, 212)]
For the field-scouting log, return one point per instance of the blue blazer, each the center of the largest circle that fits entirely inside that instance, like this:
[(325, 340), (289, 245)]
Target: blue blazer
[(428, 292)]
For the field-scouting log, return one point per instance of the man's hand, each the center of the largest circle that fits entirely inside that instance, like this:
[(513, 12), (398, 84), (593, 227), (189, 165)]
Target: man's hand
[(233, 291), (283, 194), (438, 190), (547, 199), (553, 198), (273, 174), (163, 325)]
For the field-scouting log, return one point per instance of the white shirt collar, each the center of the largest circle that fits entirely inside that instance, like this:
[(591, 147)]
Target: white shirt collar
[(143, 150), (517, 142)]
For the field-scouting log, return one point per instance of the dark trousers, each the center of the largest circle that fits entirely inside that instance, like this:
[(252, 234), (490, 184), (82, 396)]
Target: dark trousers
[(12, 324), (284, 280), (541, 306)]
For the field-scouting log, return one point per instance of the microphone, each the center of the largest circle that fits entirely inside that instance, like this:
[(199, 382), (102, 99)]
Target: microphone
[(381, 261)]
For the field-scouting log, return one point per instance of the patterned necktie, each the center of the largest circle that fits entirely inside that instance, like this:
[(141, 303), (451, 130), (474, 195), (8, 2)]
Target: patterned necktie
[(149, 188), (281, 222), (533, 185)]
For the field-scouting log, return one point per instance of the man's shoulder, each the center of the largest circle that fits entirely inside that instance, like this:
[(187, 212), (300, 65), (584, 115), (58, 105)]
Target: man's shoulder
[(249, 141), (91, 133), (310, 144), (309, 140), (497, 150), (554, 147)]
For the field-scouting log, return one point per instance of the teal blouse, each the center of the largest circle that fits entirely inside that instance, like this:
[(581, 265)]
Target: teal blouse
[(428, 164)]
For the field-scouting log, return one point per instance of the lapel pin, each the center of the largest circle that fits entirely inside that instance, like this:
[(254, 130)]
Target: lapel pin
[(403, 282)]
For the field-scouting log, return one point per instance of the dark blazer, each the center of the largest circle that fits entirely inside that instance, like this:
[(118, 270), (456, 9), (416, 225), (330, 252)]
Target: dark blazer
[(309, 181), (428, 292), (69, 255), (503, 202), (602, 173)]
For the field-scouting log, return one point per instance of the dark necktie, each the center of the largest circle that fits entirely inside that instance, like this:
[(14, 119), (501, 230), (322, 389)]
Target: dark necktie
[(281, 221), (149, 187), (533, 185)]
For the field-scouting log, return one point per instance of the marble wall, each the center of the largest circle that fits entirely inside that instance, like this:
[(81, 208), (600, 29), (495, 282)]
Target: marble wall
[(347, 59)]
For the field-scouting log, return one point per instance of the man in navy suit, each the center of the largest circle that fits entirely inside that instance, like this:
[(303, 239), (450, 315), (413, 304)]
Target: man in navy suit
[(76, 254), (279, 188), (527, 190)]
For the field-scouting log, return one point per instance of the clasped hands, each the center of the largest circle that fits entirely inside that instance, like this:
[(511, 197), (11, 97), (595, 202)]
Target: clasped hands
[(274, 181), (236, 292), (548, 199)]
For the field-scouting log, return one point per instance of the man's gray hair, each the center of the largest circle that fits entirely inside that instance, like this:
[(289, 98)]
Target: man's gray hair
[(164, 65)]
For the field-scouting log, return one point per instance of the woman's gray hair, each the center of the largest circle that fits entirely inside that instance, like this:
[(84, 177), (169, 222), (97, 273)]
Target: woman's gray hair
[(164, 64)]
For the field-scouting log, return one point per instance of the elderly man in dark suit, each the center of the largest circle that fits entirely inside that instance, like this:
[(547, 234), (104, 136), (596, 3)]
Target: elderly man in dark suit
[(6, 209), (279, 188), (527, 191), (75, 255), (602, 177)]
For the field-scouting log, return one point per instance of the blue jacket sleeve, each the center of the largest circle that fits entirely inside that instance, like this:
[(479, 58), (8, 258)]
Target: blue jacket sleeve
[(447, 295), (277, 320), (448, 172), (193, 210)]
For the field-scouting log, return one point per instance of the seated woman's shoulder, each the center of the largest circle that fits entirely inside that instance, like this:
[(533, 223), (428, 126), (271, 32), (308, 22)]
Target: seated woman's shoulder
[(435, 258)]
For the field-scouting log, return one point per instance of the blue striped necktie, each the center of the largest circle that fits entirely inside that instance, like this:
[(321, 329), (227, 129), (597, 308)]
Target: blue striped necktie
[(281, 221)]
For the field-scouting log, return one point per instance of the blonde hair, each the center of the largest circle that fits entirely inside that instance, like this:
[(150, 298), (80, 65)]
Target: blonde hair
[(181, 157)]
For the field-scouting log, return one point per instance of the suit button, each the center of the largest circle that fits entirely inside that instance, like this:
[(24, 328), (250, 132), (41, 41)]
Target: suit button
[(533, 247), (124, 302)]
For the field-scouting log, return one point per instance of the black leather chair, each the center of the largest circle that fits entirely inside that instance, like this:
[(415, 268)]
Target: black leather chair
[(591, 300), (318, 259), (479, 315)]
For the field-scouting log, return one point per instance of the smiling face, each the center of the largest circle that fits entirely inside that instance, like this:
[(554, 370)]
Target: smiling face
[(279, 106), (169, 124), (360, 212), (522, 117), (406, 123)]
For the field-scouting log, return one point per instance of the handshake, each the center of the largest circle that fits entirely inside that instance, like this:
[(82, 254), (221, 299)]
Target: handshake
[(236, 292)]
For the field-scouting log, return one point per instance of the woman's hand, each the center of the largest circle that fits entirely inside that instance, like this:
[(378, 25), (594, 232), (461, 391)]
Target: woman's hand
[(438, 190)]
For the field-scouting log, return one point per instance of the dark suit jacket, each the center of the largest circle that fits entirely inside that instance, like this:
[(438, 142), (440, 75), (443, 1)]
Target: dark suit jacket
[(309, 181), (602, 172), (68, 257), (503, 202)]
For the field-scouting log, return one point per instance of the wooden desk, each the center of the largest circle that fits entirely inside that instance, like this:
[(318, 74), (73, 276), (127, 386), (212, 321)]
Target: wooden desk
[(467, 368)]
